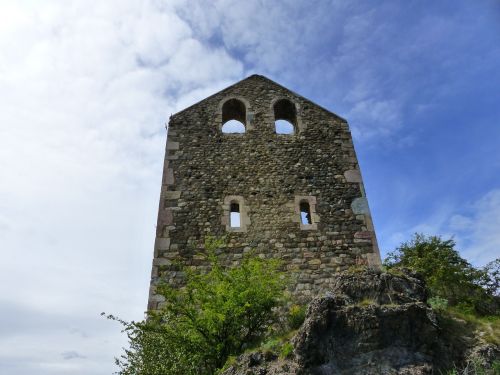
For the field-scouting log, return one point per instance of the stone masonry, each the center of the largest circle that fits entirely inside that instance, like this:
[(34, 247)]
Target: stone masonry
[(269, 177)]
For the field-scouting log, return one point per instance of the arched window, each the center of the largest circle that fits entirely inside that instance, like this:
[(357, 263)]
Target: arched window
[(305, 209), (234, 215), (283, 127), (233, 126), (305, 213), (285, 116), (233, 116)]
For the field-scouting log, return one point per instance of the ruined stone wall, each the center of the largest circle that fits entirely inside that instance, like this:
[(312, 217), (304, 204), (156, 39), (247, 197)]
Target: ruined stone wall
[(269, 174)]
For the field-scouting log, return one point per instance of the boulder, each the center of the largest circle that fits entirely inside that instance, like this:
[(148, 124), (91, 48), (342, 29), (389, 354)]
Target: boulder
[(369, 322)]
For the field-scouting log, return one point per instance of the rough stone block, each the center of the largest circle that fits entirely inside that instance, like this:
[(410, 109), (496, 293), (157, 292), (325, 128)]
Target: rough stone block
[(353, 175), (168, 176), (171, 145), (172, 195), (360, 206), (365, 235), (161, 262), (162, 243)]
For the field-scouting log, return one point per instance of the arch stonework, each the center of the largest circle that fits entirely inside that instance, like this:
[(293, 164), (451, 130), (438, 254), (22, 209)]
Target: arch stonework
[(268, 175), (248, 112), (244, 218), (299, 125)]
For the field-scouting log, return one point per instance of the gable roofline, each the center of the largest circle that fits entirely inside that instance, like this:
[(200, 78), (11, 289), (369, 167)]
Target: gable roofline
[(214, 94), (253, 76)]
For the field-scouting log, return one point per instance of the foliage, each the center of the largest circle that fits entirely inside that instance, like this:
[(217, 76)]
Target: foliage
[(279, 346), (459, 327), (286, 350), (272, 345), (475, 367), (491, 277), (487, 326), (156, 349), (296, 316), (216, 315), (438, 303), (446, 273)]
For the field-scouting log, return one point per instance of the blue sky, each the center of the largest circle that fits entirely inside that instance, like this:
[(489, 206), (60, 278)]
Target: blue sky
[(86, 89)]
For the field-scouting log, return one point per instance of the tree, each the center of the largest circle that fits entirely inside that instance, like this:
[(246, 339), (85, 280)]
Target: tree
[(445, 272), (491, 278), (216, 315)]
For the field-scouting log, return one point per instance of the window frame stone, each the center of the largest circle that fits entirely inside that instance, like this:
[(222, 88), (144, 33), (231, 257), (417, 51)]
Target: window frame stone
[(311, 200), (298, 125), (226, 212), (248, 115)]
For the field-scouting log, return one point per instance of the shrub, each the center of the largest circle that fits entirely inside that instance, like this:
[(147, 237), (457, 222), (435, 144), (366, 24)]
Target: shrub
[(272, 345), (438, 304), (216, 315), (286, 350), (446, 273), (491, 277), (296, 316)]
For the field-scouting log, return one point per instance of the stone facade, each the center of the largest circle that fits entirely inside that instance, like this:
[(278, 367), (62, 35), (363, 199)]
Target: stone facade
[(270, 177)]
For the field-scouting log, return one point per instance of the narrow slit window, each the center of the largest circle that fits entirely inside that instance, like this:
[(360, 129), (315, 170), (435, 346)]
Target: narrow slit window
[(234, 216), (305, 213)]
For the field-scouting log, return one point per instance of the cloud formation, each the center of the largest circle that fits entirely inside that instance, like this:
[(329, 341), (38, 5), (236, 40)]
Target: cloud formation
[(71, 354), (85, 92), (477, 228), (86, 89)]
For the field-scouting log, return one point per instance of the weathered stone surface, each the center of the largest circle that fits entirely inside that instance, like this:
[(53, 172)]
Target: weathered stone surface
[(272, 174), (171, 145), (369, 323), (353, 175), (360, 206)]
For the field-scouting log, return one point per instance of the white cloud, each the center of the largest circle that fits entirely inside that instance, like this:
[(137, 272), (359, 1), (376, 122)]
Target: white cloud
[(85, 92), (477, 231), (473, 225)]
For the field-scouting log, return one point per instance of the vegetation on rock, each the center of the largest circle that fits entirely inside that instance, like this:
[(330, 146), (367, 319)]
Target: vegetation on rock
[(447, 275), (203, 327)]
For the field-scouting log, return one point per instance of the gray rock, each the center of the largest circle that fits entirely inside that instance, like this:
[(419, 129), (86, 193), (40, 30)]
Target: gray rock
[(369, 323)]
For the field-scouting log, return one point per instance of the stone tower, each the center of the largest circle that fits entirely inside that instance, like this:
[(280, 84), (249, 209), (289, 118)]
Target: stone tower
[(298, 197)]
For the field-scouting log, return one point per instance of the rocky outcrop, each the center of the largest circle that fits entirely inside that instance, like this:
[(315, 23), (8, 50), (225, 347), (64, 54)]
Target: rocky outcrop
[(369, 323)]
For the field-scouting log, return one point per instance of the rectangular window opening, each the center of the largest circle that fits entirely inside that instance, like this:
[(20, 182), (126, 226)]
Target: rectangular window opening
[(234, 216), (305, 213)]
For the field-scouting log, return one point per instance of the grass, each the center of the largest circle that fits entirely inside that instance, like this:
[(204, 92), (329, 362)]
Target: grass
[(367, 302), (296, 316), (279, 346), (476, 368), (487, 327)]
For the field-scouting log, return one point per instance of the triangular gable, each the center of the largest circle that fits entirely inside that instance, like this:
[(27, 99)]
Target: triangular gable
[(271, 82)]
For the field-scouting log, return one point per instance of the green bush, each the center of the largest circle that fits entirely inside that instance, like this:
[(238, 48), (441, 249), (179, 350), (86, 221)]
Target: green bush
[(296, 316), (286, 350), (216, 315), (447, 274), (277, 346), (438, 303), (272, 345)]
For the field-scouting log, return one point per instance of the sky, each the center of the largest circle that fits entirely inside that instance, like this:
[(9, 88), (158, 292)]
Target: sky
[(86, 88)]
